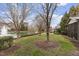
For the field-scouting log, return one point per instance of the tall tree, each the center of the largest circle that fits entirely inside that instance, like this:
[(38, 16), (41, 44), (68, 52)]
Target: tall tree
[(40, 24), (64, 22), (17, 14), (46, 15), (72, 11), (77, 10)]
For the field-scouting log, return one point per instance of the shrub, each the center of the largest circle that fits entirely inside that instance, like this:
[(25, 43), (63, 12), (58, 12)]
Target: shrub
[(6, 42), (23, 33)]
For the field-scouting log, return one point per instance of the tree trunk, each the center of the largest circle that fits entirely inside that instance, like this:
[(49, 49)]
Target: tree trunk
[(18, 35), (47, 33), (47, 30), (17, 32), (47, 23)]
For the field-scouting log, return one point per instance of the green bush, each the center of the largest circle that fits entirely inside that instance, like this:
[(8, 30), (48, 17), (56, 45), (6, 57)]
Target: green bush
[(23, 33), (6, 42)]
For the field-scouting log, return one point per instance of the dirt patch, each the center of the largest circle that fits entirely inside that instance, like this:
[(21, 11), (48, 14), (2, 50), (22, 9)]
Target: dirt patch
[(9, 51), (46, 44), (75, 53)]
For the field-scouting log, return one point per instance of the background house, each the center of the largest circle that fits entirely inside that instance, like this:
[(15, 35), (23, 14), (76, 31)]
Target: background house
[(2, 24), (10, 26), (73, 27)]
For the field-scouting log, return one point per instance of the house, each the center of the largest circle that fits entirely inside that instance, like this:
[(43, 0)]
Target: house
[(2, 25), (72, 28), (9, 26), (6, 28)]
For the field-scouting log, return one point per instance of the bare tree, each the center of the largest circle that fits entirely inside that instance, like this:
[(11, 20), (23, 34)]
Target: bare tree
[(17, 14), (40, 24), (46, 15)]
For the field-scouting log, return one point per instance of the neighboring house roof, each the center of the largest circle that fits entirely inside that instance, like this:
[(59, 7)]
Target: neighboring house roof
[(73, 19)]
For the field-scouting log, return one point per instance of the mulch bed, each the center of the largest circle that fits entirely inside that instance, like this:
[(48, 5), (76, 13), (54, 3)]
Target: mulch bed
[(75, 53), (9, 51), (46, 44)]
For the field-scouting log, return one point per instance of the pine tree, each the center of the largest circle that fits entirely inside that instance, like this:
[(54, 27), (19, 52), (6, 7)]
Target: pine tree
[(64, 21)]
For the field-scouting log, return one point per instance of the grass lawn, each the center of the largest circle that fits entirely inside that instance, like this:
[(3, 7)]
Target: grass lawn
[(28, 46)]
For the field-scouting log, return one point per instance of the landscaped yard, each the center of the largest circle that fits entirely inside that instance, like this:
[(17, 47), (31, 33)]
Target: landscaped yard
[(26, 46)]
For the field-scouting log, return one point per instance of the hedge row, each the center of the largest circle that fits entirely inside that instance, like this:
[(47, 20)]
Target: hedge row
[(6, 42)]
